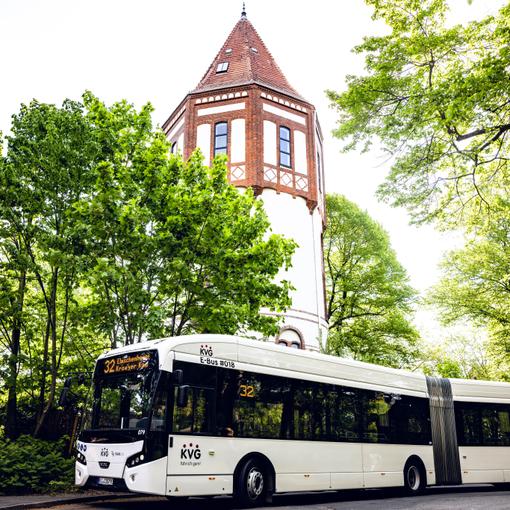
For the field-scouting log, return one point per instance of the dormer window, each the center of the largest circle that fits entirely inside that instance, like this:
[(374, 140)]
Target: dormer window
[(228, 51), (222, 67)]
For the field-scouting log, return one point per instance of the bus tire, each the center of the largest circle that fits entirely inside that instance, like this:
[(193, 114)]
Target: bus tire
[(251, 484), (414, 476)]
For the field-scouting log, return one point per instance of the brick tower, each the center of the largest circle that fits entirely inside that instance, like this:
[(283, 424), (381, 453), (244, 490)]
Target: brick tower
[(245, 107)]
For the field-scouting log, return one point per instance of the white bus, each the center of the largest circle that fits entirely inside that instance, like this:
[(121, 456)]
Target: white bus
[(210, 414)]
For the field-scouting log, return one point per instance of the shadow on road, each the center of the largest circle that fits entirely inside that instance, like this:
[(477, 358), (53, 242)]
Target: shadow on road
[(284, 500)]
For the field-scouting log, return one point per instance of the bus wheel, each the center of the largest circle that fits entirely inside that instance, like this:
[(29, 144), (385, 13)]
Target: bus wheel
[(251, 484), (414, 477)]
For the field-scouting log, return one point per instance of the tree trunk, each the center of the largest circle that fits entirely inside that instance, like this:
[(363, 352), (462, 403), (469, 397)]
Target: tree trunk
[(42, 387), (52, 311), (11, 420)]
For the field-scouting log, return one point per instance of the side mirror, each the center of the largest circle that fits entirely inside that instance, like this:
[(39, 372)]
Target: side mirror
[(394, 399), (178, 376), (182, 395)]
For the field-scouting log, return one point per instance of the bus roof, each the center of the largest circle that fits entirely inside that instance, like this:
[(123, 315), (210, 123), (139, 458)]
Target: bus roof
[(270, 357)]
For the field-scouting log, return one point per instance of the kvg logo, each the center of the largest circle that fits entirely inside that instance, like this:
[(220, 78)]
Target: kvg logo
[(205, 350), (190, 453)]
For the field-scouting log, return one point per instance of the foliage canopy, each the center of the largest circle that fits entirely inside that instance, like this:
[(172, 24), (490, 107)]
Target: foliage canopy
[(108, 239), (369, 299), (437, 99), (476, 284)]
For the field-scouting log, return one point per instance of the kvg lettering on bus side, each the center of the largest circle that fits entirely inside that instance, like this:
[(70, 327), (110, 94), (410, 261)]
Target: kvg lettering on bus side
[(190, 452)]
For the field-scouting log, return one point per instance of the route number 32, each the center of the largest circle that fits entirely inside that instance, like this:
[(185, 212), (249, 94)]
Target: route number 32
[(109, 366), (247, 391)]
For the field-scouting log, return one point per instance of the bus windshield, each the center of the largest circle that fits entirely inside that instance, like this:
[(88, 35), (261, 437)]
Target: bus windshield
[(123, 389), (122, 402)]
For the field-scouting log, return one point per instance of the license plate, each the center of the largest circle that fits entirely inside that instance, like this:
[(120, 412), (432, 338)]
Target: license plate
[(105, 481)]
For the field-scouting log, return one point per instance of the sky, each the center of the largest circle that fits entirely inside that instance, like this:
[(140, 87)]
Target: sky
[(157, 51)]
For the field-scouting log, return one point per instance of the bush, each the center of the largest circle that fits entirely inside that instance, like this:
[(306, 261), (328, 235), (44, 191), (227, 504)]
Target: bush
[(33, 465)]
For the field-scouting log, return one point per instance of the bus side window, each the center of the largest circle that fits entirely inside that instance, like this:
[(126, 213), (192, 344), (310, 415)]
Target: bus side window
[(159, 409), (309, 410), (287, 424), (157, 438), (485, 424), (226, 394), (344, 413), (468, 423), (504, 420), (259, 405), (195, 417), (303, 410), (490, 426), (183, 416), (376, 418)]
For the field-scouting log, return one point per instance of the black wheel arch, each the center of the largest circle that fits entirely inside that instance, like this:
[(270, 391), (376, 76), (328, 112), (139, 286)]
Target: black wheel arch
[(416, 460), (266, 463)]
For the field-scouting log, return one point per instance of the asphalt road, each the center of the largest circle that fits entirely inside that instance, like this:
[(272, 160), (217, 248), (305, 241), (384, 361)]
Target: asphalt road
[(465, 498)]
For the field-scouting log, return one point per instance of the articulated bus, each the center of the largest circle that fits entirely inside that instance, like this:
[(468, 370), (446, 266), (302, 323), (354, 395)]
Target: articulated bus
[(206, 415)]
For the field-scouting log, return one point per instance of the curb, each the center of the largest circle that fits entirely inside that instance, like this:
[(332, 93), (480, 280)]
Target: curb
[(65, 501)]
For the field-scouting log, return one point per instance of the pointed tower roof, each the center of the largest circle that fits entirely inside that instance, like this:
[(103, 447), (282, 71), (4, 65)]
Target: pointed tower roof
[(249, 61)]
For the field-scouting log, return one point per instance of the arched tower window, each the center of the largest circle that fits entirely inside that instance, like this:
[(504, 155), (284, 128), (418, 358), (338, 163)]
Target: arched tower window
[(285, 146), (220, 138), (290, 337)]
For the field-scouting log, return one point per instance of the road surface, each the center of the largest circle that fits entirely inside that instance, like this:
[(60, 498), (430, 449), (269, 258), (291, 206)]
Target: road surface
[(465, 498)]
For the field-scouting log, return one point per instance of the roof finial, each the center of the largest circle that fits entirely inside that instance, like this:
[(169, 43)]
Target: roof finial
[(243, 14)]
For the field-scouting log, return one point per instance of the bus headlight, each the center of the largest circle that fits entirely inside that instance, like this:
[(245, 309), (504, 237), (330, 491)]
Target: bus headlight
[(81, 458), (136, 459)]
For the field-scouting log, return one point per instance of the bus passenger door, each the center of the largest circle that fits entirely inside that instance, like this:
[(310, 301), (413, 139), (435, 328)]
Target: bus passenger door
[(187, 443)]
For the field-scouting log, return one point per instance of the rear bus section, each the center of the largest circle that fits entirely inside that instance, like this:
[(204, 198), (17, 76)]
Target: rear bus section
[(482, 413)]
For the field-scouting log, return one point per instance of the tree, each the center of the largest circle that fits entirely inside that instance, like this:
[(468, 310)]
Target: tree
[(105, 235), (12, 296), (465, 356), (437, 99), (47, 167), (172, 247), (369, 299), (476, 282)]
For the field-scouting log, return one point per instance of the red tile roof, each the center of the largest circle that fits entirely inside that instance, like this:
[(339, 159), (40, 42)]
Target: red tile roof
[(249, 62)]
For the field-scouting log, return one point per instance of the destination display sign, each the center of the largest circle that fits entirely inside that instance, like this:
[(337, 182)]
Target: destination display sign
[(126, 363)]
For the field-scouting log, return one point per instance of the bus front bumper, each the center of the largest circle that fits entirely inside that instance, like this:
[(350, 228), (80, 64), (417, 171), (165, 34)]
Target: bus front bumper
[(148, 478)]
